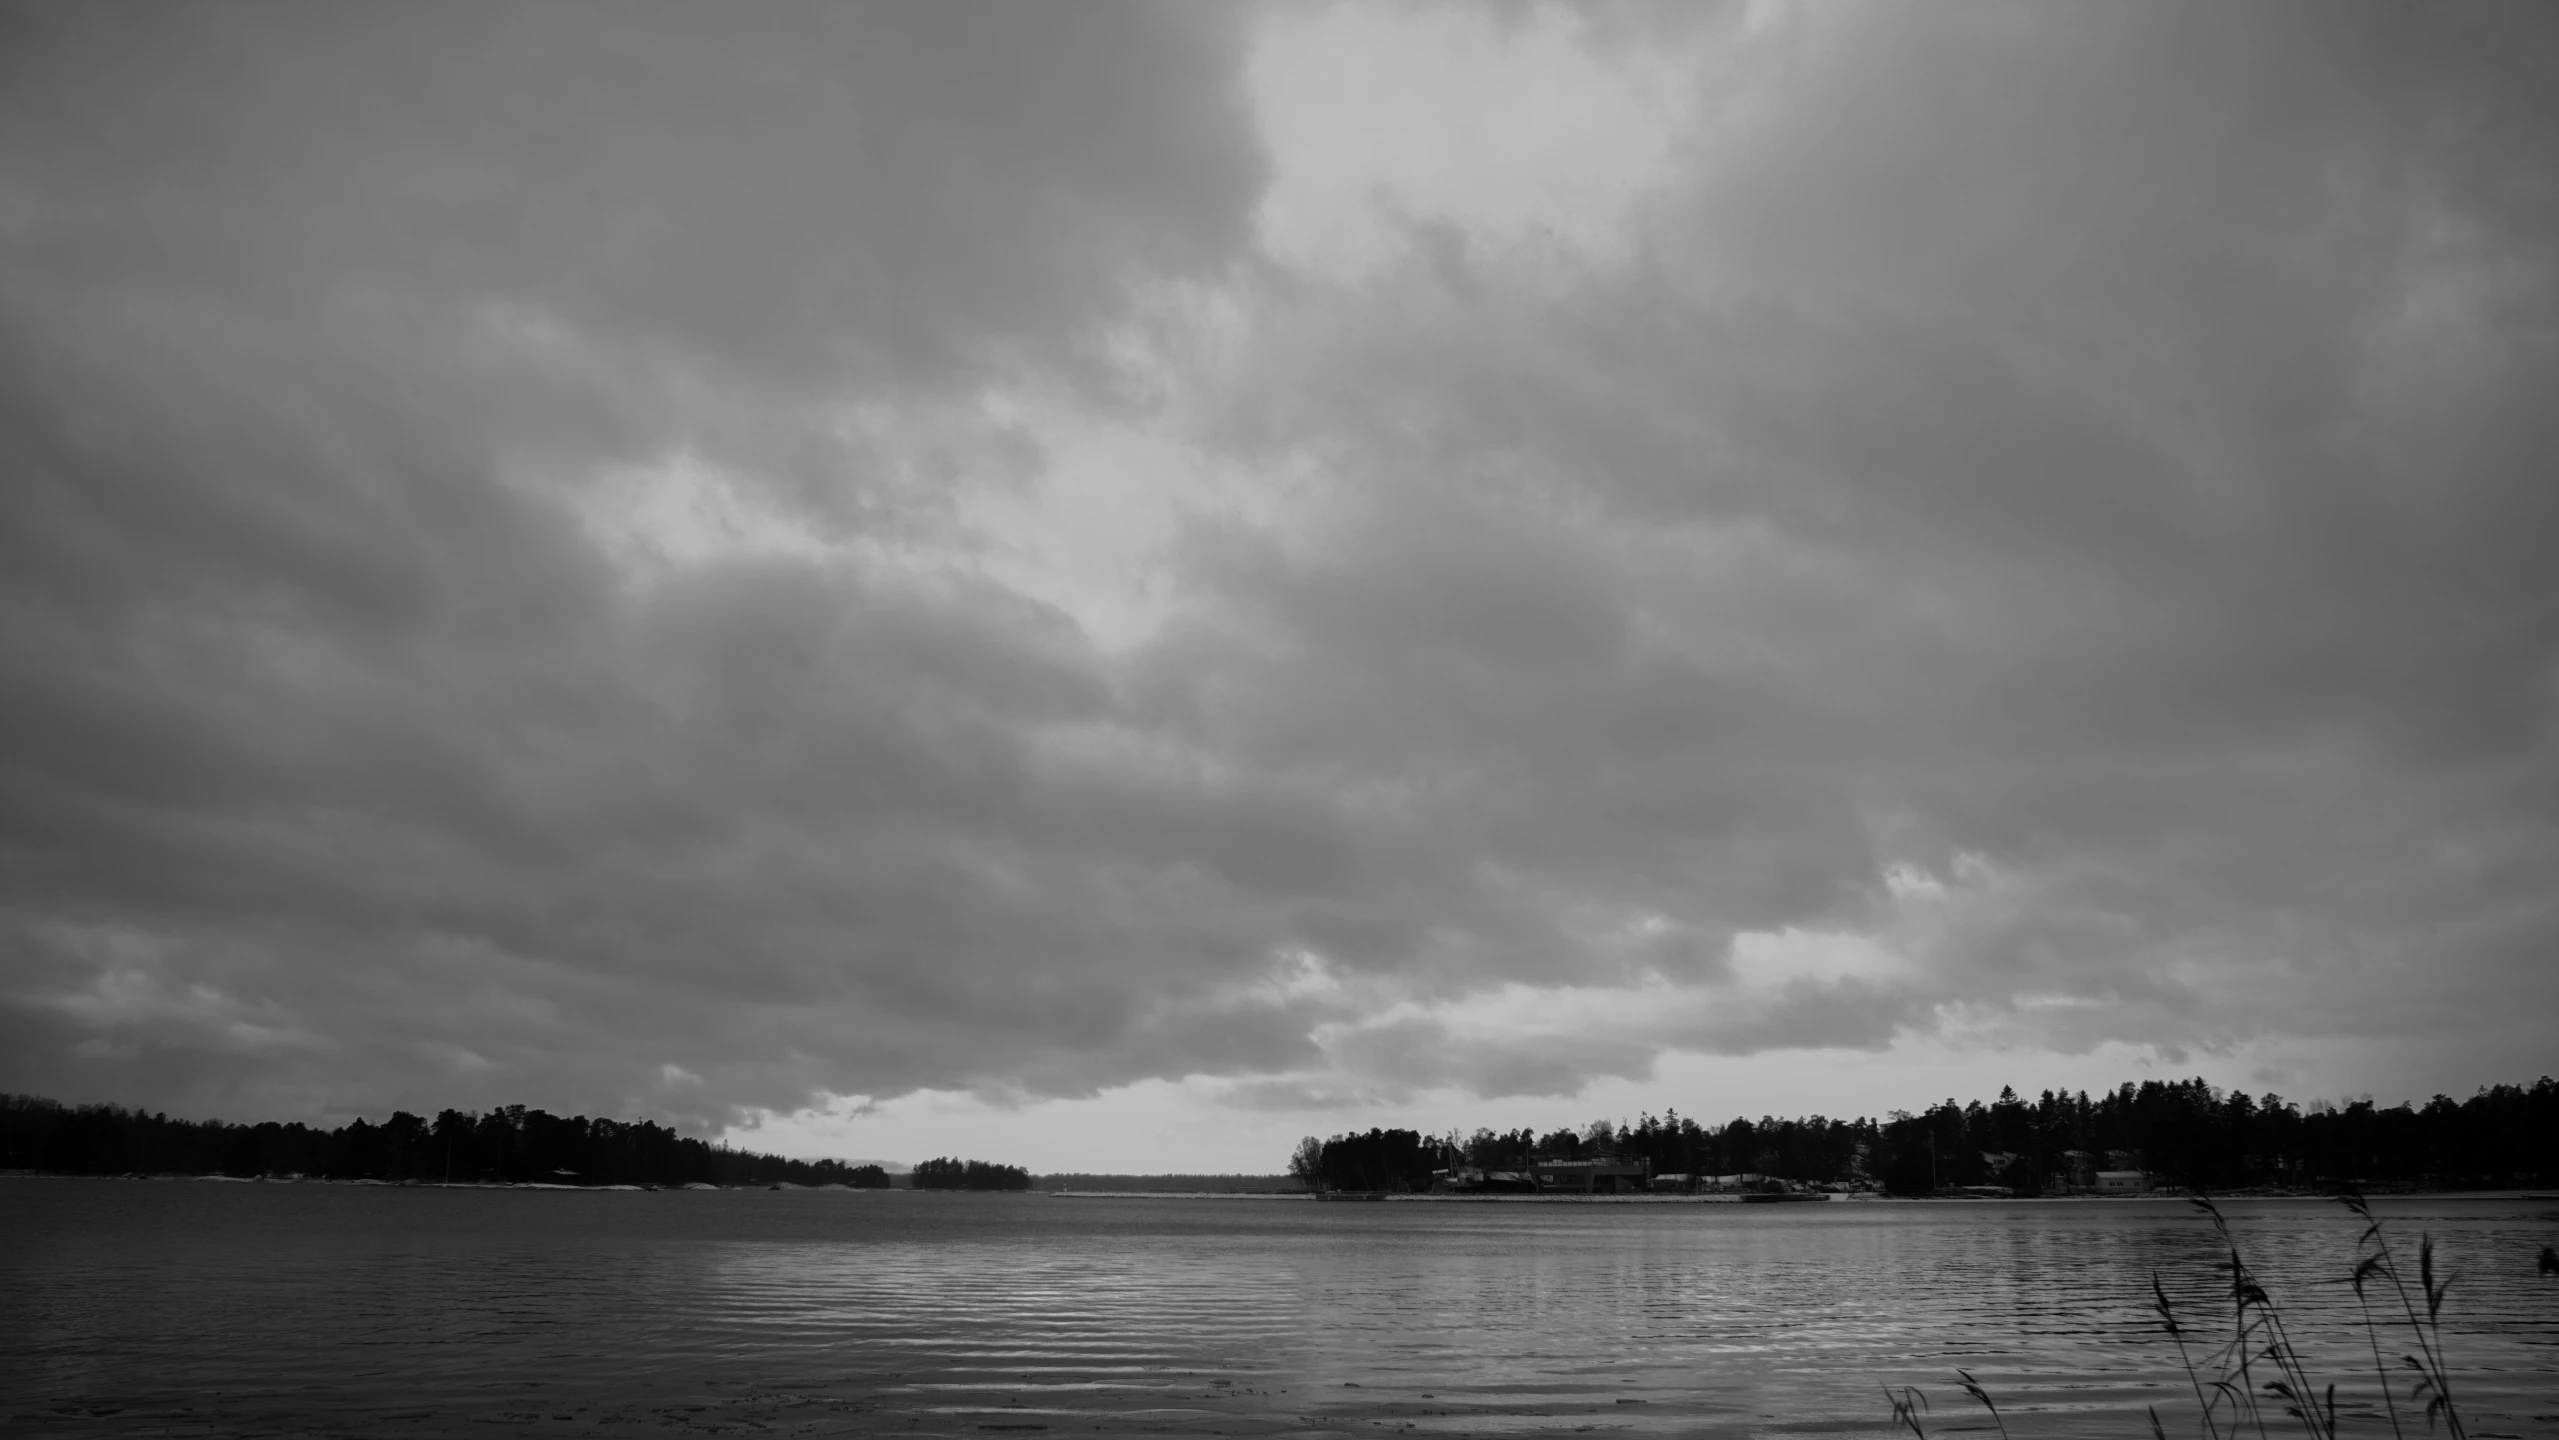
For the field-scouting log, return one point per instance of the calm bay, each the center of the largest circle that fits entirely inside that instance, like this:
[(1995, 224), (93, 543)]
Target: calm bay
[(195, 1308)]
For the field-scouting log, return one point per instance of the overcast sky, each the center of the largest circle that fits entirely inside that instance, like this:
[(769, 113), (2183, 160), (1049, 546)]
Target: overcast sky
[(1109, 586)]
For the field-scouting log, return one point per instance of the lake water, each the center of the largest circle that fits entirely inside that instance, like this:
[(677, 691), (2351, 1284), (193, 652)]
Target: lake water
[(194, 1308)]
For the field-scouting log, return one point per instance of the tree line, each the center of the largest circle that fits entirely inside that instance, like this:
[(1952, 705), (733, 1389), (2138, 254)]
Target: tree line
[(949, 1174), (1168, 1184), (511, 1145), (2178, 1131)]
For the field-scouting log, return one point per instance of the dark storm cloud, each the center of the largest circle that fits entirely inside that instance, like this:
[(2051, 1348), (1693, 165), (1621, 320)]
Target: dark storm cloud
[(324, 704), (2095, 447), (2056, 491), (789, 193)]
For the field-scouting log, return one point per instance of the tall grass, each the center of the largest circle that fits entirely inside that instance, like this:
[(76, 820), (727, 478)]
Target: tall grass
[(2255, 1381)]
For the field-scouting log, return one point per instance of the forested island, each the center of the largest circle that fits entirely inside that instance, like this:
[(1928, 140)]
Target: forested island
[(949, 1174), (1091, 1183), (509, 1145), (2183, 1132)]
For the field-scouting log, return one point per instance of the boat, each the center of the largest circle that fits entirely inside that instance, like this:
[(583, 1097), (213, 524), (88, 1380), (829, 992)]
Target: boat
[(1350, 1194), (1777, 1197)]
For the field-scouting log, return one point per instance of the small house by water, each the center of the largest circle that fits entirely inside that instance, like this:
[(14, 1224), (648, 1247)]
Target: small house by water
[(1608, 1175)]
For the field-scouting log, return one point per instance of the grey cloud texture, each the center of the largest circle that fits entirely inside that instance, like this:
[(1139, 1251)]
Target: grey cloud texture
[(2101, 445), (2058, 491)]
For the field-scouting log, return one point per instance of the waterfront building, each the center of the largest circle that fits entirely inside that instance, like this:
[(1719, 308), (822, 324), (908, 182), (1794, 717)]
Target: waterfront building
[(1607, 1175)]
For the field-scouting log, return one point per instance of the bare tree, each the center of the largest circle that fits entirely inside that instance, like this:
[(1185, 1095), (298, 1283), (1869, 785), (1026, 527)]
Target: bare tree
[(1306, 1165)]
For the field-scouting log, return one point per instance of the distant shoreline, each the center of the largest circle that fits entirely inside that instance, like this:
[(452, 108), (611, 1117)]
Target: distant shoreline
[(368, 1183), (2151, 1197), (1723, 1198)]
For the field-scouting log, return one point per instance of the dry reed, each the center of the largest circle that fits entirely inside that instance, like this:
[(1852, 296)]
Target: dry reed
[(2239, 1382)]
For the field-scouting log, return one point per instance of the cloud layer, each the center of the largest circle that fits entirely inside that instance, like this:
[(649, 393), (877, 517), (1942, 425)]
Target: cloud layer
[(643, 565)]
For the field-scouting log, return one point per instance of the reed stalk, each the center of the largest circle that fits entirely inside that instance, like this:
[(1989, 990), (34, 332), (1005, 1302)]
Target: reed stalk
[(2433, 1386), (2228, 1390)]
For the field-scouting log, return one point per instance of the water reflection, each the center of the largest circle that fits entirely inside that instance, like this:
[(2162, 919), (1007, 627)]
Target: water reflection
[(187, 1309)]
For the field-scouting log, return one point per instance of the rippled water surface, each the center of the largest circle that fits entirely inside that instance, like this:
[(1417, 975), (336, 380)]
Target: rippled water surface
[(172, 1307)]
